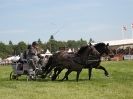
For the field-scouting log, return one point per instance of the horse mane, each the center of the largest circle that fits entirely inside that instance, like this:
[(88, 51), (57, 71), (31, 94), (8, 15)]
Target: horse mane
[(99, 45), (82, 49)]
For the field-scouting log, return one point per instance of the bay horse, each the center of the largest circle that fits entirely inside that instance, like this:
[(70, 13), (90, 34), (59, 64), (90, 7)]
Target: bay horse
[(72, 62)]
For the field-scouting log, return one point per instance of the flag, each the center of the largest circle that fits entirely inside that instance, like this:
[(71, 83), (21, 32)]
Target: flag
[(124, 28), (132, 26)]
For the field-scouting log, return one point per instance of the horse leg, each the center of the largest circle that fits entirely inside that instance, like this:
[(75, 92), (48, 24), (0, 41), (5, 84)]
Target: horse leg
[(57, 71), (46, 68), (44, 72), (48, 71), (89, 72), (78, 72), (66, 74), (105, 71), (67, 78), (54, 75)]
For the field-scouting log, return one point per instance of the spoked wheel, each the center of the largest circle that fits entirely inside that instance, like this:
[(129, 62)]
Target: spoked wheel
[(28, 78), (31, 77), (12, 76)]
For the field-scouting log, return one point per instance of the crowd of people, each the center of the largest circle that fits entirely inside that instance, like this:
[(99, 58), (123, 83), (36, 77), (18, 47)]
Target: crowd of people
[(119, 54), (126, 51)]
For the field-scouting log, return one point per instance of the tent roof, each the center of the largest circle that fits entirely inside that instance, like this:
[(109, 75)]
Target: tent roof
[(13, 58), (69, 50), (119, 42), (47, 53)]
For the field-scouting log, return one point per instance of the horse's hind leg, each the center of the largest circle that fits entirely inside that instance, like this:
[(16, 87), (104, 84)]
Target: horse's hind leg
[(66, 74), (89, 72), (48, 71), (54, 75), (105, 71), (78, 72), (57, 71)]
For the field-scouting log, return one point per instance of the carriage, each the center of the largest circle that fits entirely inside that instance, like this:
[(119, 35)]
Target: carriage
[(24, 68)]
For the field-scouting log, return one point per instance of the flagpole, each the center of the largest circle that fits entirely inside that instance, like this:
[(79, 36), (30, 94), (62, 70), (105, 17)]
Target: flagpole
[(132, 29), (123, 32), (124, 29), (132, 33)]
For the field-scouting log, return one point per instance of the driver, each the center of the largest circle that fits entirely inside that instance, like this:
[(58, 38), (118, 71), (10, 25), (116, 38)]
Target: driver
[(33, 55)]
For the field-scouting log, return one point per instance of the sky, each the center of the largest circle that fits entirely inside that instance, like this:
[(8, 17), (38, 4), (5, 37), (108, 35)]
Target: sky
[(29, 20)]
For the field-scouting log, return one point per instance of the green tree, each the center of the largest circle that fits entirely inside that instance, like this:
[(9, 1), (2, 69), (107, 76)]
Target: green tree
[(91, 40), (39, 41), (5, 50), (51, 37), (71, 44), (76, 44), (52, 45), (10, 43), (11, 47), (20, 48), (81, 42)]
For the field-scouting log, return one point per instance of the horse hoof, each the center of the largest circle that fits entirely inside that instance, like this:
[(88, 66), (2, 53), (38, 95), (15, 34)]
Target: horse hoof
[(53, 79), (62, 80), (43, 76), (107, 75)]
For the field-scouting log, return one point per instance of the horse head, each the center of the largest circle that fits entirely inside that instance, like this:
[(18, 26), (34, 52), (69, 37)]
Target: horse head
[(103, 48), (88, 50)]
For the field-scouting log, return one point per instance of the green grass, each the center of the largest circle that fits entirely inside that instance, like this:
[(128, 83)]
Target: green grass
[(118, 86)]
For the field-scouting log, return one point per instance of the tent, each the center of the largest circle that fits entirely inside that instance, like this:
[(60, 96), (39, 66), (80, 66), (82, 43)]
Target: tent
[(13, 58), (69, 50), (120, 42), (115, 44), (47, 53)]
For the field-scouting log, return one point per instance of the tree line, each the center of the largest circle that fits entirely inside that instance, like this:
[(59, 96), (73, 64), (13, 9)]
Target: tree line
[(53, 45)]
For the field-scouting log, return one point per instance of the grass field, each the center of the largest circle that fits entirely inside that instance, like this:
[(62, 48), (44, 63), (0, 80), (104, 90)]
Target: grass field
[(118, 86)]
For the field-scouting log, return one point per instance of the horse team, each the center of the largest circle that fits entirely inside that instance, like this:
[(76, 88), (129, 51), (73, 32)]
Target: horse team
[(87, 57)]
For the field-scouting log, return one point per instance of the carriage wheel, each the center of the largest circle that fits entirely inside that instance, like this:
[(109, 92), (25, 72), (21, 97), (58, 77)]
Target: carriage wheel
[(12, 76), (28, 78), (31, 77)]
